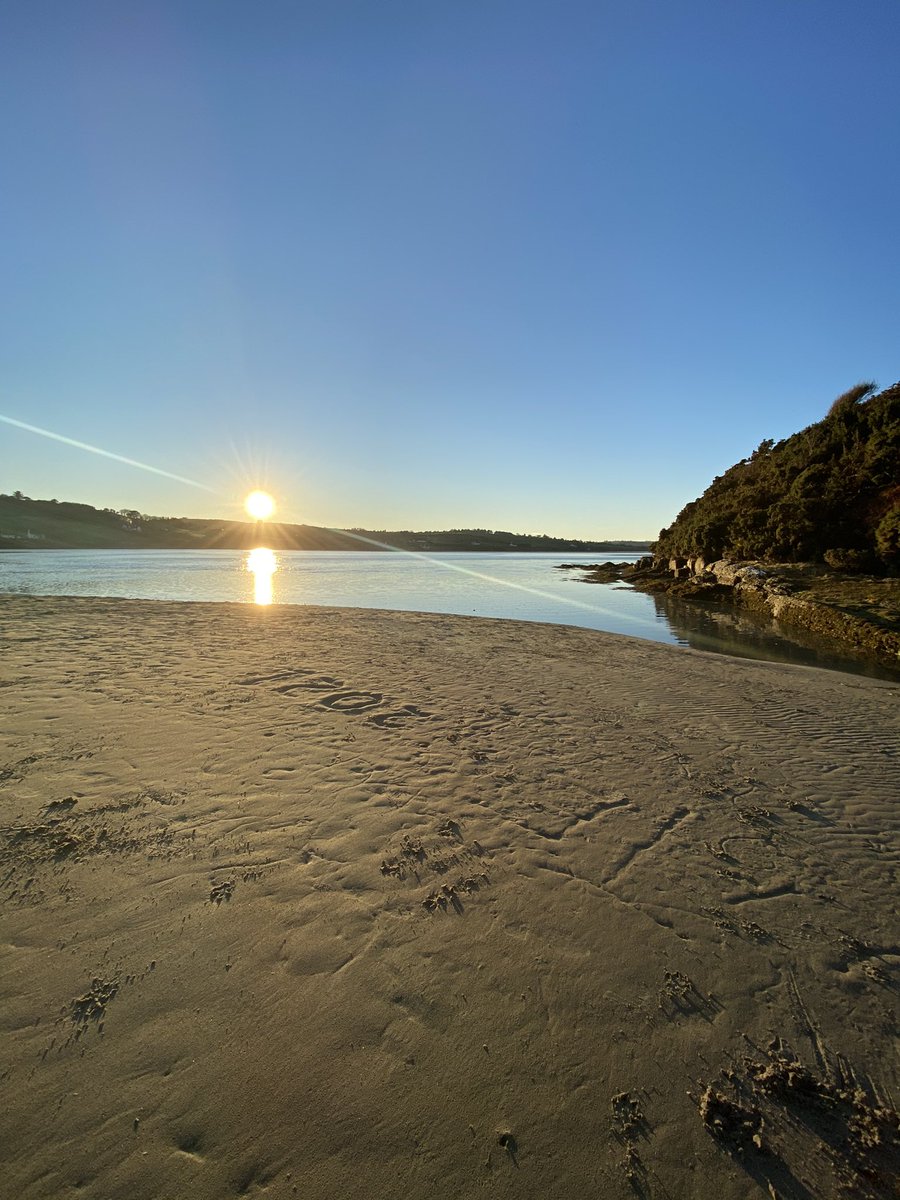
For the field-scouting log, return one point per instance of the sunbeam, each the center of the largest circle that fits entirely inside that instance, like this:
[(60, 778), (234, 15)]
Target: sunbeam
[(437, 562), (129, 462)]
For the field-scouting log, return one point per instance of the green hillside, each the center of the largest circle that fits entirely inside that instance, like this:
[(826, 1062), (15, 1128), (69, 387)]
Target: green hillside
[(829, 493), (58, 524)]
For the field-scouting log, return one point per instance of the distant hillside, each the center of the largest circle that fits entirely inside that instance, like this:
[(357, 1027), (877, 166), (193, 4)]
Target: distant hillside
[(59, 524), (830, 492)]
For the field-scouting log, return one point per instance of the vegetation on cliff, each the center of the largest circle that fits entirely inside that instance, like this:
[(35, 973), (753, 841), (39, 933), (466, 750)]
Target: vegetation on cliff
[(829, 493)]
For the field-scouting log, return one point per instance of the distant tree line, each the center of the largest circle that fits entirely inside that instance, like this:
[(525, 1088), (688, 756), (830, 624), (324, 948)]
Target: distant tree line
[(59, 523)]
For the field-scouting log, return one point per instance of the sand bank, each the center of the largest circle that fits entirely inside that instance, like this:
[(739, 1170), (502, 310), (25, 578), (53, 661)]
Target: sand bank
[(335, 903)]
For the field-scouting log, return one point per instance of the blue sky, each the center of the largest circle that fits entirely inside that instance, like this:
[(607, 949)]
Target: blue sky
[(547, 267)]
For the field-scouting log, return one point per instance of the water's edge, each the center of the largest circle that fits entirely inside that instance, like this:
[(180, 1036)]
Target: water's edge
[(525, 586)]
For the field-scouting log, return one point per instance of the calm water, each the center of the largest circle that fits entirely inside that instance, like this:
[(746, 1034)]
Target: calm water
[(524, 587)]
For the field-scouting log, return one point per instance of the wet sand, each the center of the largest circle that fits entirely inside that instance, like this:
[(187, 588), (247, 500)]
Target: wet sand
[(330, 903)]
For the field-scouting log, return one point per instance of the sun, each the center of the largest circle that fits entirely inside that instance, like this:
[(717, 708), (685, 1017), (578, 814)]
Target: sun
[(259, 506)]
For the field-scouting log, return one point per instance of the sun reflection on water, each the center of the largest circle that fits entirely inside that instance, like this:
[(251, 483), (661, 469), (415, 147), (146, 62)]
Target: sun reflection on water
[(263, 564)]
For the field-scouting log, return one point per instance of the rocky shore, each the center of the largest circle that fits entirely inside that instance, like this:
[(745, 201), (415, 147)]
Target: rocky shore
[(859, 614)]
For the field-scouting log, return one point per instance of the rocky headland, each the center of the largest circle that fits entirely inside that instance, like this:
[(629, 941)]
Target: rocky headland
[(859, 614), (805, 530)]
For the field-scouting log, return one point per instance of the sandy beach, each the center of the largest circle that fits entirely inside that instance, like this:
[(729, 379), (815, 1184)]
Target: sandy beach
[(339, 903)]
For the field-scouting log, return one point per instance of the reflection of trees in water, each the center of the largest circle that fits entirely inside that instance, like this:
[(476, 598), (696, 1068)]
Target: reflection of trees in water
[(749, 635)]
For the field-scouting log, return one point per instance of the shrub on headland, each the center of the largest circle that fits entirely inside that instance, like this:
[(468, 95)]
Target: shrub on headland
[(887, 535), (829, 493), (850, 560)]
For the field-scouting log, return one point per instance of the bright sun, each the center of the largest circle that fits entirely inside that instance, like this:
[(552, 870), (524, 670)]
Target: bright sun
[(259, 505)]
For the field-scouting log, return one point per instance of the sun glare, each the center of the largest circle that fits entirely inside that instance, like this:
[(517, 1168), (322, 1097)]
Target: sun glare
[(259, 506), (262, 564)]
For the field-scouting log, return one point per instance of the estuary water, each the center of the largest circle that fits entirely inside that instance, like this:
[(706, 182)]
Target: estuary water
[(523, 587)]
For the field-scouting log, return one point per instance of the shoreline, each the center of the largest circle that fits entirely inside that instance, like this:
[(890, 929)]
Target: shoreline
[(325, 899), (682, 637), (784, 593)]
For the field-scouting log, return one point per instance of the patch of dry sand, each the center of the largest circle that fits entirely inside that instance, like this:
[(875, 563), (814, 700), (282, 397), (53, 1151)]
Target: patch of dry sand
[(331, 903)]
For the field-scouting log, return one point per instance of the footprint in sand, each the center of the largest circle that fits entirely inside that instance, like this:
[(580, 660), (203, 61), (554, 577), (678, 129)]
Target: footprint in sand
[(351, 702), (223, 890), (316, 683), (191, 1143), (92, 1005), (250, 680), (398, 716)]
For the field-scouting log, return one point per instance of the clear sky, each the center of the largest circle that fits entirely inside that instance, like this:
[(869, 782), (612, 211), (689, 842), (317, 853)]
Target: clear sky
[(540, 266)]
